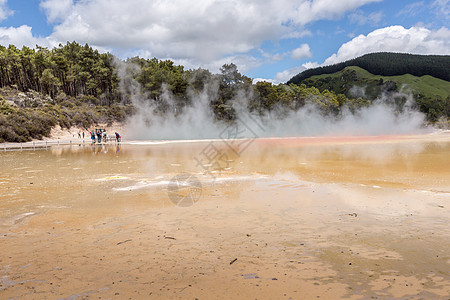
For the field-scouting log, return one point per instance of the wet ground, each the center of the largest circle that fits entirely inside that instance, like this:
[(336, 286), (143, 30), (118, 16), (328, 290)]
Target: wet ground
[(298, 218)]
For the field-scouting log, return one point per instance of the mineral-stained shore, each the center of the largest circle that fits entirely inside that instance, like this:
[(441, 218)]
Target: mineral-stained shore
[(285, 218)]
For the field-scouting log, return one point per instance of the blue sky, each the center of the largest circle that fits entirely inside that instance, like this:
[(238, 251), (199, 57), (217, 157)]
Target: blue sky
[(267, 39)]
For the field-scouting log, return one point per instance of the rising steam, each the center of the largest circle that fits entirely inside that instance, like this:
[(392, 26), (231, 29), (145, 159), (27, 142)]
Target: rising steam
[(197, 120)]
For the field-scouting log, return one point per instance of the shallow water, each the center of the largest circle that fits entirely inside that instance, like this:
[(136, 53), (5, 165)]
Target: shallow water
[(329, 217), (92, 176)]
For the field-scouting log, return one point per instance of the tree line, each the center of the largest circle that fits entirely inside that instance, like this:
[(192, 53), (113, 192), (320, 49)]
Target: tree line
[(75, 85), (72, 69)]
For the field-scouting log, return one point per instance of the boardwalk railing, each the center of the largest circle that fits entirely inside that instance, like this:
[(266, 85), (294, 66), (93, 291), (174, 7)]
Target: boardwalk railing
[(47, 144)]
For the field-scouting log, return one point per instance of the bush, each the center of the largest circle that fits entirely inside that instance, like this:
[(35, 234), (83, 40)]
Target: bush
[(5, 108), (7, 134), (87, 99)]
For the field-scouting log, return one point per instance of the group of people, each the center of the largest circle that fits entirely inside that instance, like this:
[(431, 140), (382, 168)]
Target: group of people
[(100, 135)]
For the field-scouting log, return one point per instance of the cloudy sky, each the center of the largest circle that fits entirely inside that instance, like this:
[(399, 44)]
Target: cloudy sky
[(269, 39)]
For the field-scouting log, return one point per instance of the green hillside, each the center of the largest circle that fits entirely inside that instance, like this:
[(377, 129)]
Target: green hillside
[(432, 94), (426, 85)]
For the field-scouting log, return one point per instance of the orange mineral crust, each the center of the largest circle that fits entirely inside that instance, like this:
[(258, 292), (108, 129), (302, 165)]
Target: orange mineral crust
[(277, 218)]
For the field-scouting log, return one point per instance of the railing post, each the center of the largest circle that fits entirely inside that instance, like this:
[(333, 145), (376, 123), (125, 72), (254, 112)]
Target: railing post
[(4, 144), (46, 145), (34, 146), (21, 147)]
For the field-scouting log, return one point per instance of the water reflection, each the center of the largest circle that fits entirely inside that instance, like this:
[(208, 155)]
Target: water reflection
[(95, 176)]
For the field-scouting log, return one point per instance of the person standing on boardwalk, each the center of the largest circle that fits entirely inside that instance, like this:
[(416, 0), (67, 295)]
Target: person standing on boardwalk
[(99, 136)]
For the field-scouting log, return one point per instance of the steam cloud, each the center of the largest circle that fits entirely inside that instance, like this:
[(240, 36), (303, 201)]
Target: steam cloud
[(197, 120)]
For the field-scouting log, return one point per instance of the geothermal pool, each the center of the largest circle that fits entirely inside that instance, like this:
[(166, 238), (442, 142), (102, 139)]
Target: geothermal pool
[(290, 218)]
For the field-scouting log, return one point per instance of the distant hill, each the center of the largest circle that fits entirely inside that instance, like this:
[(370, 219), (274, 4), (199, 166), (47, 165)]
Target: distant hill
[(388, 64), (348, 80), (432, 95), (425, 77)]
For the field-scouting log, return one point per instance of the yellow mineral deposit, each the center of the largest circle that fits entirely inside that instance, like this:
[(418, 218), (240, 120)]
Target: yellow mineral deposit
[(292, 218)]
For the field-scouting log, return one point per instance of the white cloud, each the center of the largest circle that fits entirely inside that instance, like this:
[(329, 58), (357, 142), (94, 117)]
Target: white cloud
[(287, 74), (310, 65), (443, 34), (272, 57), (301, 52), (244, 63), (204, 33), (56, 10), (5, 12), (309, 11), (416, 40), (203, 30), (22, 36), (256, 80)]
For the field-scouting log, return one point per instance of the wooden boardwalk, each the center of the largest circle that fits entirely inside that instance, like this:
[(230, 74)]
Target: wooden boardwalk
[(39, 145)]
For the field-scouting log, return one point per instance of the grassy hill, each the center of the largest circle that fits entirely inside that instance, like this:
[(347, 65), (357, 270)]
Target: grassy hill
[(339, 82), (432, 94)]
